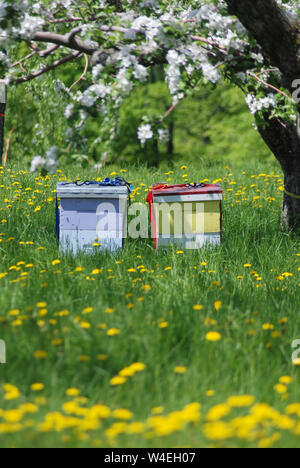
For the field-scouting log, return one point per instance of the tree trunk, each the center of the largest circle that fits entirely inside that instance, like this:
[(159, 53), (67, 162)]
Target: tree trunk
[(291, 202), (283, 139), (2, 114)]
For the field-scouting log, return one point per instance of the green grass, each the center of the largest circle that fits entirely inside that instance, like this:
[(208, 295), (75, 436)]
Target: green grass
[(247, 359)]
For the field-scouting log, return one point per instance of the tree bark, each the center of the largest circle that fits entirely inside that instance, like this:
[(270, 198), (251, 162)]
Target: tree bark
[(278, 34), (275, 31), (284, 141), (2, 116)]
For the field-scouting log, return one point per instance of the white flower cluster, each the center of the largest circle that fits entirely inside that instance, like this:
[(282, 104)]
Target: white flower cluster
[(258, 104), (90, 96), (190, 41), (145, 133), (49, 163), (29, 26)]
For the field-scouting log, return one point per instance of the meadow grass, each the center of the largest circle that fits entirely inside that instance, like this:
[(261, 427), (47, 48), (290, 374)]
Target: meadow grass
[(68, 326)]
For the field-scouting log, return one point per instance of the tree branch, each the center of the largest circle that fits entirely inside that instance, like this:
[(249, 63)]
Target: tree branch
[(275, 31), (268, 85), (54, 65), (83, 74), (67, 40)]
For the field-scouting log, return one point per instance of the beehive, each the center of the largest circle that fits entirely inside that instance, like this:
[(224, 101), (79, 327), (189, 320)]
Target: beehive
[(91, 217), (189, 216)]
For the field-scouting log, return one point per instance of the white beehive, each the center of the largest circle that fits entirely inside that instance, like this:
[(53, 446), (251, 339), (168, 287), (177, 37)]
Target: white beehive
[(91, 217)]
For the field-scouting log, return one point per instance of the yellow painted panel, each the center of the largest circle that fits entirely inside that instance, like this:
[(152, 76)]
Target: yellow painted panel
[(212, 216), (188, 217), (193, 218)]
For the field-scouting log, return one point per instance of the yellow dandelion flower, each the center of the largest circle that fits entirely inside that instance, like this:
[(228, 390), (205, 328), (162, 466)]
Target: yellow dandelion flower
[(85, 325), (218, 305), (118, 380), (37, 387), (198, 307), (213, 336), (280, 388), (285, 379), (73, 392), (113, 332), (123, 414), (163, 324), (268, 326), (138, 366), (40, 354), (240, 401), (218, 412), (218, 431)]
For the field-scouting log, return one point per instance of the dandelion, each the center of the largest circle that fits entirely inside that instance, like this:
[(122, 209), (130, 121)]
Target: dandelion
[(198, 307), (118, 380), (217, 412), (218, 431), (113, 332), (213, 336), (85, 325), (55, 262), (285, 379), (217, 305), (84, 358), (73, 392), (163, 325), (12, 416), (123, 414), (280, 388), (138, 366), (240, 401), (268, 326), (40, 354), (180, 369), (96, 271), (102, 357), (57, 341), (37, 387), (11, 392)]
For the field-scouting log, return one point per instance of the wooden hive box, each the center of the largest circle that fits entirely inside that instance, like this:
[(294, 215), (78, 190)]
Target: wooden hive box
[(189, 216), (91, 217)]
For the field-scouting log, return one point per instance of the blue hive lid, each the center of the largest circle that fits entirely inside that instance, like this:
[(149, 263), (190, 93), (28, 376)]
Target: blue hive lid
[(75, 190)]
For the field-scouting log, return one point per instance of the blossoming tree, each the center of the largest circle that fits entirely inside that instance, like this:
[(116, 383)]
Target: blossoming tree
[(253, 43)]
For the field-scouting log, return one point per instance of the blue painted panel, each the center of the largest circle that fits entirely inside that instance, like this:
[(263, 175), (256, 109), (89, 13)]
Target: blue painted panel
[(87, 214), (76, 241)]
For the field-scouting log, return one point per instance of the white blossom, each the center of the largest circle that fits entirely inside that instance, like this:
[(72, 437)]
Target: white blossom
[(140, 72), (29, 26), (145, 133), (69, 111), (257, 104), (37, 163), (163, 134)]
